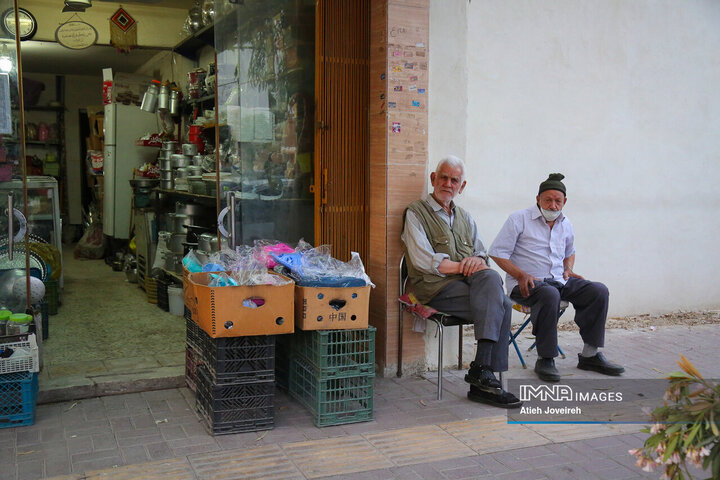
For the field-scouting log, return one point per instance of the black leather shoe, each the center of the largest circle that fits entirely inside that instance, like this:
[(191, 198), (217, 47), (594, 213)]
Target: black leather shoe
[(503, 399), (545, 369), (483, 378), (598, 363)]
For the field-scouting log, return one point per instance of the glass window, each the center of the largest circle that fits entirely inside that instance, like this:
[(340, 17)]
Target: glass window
[(265, 77)]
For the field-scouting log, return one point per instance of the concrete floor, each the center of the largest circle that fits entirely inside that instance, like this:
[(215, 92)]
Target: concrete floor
[(107, 338)]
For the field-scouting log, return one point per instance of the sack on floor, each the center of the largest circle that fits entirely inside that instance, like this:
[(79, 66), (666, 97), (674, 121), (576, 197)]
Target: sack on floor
[(92, 244)]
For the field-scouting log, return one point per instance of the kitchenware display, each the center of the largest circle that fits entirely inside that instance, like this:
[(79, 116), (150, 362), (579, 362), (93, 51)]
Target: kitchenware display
[(197, 160), (163, 101), (180, 172), (194, 170), (181, 184), (177, 220), (176, 242), (149, 101), (170, 145), (165, 154), (174, 102), (190, 149), (165, 164), (165, 174), (207, 242), (191, 210), (178, 160), (166, 184)]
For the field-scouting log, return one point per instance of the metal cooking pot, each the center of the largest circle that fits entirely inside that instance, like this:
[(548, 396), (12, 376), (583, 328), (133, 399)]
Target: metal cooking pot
[(194, 170), (165, 164), (180, 172), (177, 220), (205, 241), (165, 174), (189, 149), (143, 183), (165, 154), (169, 145), (176, 242), (193, 209), (166, 184), (202, 256), (178, 160)]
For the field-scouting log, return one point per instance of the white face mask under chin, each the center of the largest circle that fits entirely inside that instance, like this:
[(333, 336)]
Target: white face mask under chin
[(550, 215)]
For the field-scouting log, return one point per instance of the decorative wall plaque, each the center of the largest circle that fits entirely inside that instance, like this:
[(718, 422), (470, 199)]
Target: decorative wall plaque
[(76, 35)]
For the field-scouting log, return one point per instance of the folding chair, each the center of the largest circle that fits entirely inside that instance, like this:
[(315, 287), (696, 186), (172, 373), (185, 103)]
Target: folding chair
[(526, 311), (441, 320)]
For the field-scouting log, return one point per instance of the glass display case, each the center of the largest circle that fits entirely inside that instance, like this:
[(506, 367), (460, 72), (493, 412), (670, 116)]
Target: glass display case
[(265, 99)]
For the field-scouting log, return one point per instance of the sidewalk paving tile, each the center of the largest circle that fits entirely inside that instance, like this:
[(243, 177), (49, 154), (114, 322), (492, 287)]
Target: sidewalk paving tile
[(418, 445), (268, 462), (335, 456)]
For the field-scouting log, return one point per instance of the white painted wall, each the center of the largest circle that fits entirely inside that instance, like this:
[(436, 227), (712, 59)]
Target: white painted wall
[(621, 97)]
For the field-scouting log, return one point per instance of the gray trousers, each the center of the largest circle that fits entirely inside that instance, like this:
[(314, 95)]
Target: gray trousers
[(479, 299), (590, 300)]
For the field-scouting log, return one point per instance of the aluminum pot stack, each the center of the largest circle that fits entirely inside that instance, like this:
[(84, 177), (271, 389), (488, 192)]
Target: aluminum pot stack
[(165, 160)]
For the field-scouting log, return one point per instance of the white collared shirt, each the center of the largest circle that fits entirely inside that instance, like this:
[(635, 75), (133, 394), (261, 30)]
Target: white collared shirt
[(421, 253), (531, 245)]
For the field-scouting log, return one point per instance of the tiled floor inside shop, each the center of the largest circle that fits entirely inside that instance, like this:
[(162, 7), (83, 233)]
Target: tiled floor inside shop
[(107, 337)]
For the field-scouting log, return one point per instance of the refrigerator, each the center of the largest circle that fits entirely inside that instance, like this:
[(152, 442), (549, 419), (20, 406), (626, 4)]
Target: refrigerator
[(123, 125)]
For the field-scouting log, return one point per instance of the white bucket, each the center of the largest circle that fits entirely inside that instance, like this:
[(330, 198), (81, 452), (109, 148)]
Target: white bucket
[(176, 300)]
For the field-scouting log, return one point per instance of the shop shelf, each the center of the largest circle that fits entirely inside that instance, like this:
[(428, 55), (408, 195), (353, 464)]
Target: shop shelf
[(337, 353), (333, 401), (235, 408), (25, 358), (18, 397), (238, 359)]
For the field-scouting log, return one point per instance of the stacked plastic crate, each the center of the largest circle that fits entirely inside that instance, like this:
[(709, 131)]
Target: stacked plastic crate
[(18, 381), (331, 374), (193, 353), (235, 383)]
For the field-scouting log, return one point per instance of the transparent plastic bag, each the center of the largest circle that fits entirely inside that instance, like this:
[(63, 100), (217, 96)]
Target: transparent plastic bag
[(192, 262)]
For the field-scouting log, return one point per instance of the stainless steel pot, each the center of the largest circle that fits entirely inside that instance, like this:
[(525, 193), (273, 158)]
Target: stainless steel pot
[(169, 145), (177, 220), (165, 164), (205, 241), (178, 160), (193, 210), (194, 170), (198, 160), (189, 149), (165, 154), (163, 100), (166, 184), (174, 102), (180, 172), (176, 242), (165, 174)]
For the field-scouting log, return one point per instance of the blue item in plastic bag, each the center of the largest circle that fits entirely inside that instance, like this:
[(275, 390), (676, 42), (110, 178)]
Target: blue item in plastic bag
[(212, 267), (331, 282), (192, 265), (293, 261)]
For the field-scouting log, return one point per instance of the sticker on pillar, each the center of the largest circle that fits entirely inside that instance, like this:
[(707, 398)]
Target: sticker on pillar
[(414, 78), (397, 68), (392, 105), (412, 88), (409, 66), (408, 54), (420, 45), (421, 90), (396, 127), (419, 54), (397, 53), (397, 88), (415, 103)]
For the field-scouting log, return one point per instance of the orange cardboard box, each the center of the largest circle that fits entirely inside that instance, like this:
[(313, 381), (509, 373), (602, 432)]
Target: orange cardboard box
[(332, 308), (220, 312)]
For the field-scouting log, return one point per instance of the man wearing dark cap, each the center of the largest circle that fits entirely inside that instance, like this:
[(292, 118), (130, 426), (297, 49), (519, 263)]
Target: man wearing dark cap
[(536, 249)]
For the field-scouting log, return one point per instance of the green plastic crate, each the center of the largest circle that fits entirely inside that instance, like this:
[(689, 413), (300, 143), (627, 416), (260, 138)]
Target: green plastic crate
[(332, 401), (337, 353)]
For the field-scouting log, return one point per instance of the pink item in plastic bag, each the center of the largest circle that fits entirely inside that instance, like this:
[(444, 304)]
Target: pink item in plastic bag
[(277, 248)]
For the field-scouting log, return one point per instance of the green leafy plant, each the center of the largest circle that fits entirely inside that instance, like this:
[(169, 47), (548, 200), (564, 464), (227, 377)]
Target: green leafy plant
[(685, 430)]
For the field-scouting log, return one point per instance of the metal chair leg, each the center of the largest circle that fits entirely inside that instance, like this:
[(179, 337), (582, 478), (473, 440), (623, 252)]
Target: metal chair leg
[(460, 346), (440, 361)]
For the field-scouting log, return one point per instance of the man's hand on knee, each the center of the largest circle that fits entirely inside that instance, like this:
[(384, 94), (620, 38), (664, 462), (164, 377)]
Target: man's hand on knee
[(470, 265), (525, 283)]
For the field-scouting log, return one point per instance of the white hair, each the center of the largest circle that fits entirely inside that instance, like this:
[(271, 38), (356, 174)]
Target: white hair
[(453, 162)]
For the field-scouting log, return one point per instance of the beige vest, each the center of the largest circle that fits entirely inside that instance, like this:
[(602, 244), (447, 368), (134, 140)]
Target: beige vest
[(457, 242)]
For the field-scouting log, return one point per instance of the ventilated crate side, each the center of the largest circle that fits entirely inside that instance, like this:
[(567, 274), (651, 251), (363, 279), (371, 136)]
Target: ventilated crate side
[(239, 359), (234, 408), (18, 397), (337, 353), (332, 401)]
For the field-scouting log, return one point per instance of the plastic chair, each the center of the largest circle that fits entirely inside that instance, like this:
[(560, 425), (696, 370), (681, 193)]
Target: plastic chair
[(513, 336), (440, 319)]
